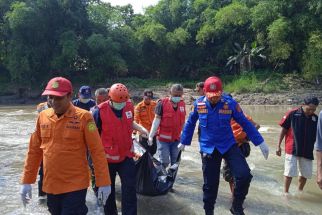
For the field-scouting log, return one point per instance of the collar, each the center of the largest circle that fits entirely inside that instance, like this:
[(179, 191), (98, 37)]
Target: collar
[(69, 113), (206, 100)]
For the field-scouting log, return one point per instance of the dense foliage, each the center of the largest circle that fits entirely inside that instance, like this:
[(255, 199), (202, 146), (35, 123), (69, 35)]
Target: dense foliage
[(92, 40)]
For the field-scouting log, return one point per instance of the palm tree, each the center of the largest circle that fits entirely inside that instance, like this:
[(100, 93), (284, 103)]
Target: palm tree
[(244, 57)]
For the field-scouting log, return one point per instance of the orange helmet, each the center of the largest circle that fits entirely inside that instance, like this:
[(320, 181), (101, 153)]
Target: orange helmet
[(119, 93)]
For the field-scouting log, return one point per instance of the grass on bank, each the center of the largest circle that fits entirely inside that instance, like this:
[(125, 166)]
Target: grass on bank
[(265, 82), (250, 82), (134, 83)]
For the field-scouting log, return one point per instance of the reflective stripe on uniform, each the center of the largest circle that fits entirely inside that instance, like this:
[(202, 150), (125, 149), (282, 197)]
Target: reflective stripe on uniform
[(117, 157), (165, 136)]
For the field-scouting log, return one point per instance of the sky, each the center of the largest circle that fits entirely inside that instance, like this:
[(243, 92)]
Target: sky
[(138, 5)]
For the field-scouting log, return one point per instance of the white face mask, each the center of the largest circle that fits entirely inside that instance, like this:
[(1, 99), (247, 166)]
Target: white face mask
[(84, 100), (118, 106), (175, 99)]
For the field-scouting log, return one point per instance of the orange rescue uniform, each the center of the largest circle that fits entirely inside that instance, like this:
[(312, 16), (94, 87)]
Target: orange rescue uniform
[(62, 144), (239, 133), (144, 114)]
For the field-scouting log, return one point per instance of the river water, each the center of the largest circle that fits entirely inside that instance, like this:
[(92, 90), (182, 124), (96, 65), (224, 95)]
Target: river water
[(265, 194)]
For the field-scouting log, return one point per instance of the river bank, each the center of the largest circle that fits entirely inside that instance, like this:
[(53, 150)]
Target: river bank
[(290, 97)]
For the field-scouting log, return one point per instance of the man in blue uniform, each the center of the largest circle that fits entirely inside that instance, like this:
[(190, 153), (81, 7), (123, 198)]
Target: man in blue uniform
[(217, 141), (84, 100)]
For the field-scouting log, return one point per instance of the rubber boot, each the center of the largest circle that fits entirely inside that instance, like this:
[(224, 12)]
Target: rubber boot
[(237, 208), (209, 213)]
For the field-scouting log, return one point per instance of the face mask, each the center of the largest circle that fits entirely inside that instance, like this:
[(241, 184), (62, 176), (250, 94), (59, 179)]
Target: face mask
[(84, 100), (176, 99), (118, 106)]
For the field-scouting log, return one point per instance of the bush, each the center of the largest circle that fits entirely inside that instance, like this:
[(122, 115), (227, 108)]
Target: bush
[(255, 82)]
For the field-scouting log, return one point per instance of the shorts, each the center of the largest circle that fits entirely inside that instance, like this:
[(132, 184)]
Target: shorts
[(295, 164)]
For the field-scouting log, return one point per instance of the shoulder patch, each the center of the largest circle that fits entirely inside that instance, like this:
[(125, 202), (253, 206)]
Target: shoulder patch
[(91, 126)]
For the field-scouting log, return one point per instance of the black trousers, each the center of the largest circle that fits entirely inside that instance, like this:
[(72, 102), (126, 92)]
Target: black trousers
[(211, 172), (72, 203), (41, 177), (127, 172)]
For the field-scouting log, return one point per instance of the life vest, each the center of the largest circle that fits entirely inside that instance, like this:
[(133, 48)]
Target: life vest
[(171, 121), (116, 133), (239, 134)]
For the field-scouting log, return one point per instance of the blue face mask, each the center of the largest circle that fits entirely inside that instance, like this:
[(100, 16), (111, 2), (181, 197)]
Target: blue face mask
[(175, 99), (118, 106)]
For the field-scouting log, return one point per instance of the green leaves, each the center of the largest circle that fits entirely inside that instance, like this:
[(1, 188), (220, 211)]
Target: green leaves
[(91, 39), (232, 16), (262, 15), (178, 37), (153, 31), (312, 58), (278, 32)]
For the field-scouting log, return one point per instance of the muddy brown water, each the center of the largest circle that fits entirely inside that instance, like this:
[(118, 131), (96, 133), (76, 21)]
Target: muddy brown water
[(265, 194)]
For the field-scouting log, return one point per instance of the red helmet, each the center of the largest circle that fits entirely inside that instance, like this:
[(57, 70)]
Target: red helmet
[(213, 86), (119, 93)]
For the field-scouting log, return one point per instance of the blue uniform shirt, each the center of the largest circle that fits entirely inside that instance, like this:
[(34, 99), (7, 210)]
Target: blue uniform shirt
[(214, 123), (86, 106)]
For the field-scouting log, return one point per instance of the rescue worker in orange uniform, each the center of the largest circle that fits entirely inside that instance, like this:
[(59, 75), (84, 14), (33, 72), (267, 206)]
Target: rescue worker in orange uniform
[(61, 139), (40, 107), (144, 115), (115, 121), (170, 114)]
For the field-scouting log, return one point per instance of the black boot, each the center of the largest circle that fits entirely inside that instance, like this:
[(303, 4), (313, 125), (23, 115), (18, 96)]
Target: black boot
[(209, 212), (237, 209)]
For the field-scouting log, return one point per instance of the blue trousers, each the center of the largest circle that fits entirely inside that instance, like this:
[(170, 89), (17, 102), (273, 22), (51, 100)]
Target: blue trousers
[(72, 203), (211, 174), (126, 171), (168, 152)]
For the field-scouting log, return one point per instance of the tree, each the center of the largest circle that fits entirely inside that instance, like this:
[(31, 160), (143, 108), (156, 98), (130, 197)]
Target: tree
[(312, 58), (280, 48), (244, 57)]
